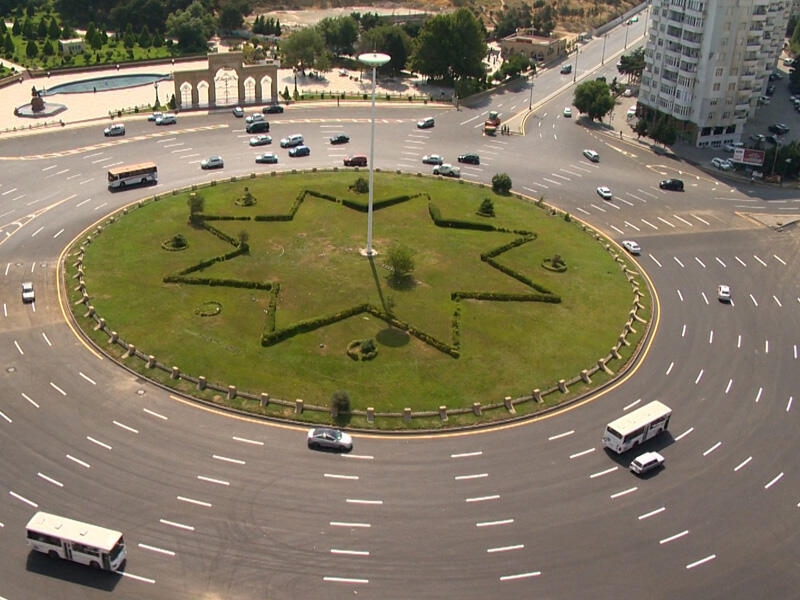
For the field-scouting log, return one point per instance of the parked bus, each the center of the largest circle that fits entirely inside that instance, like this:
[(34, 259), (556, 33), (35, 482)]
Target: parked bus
[(636, 427), (59, 537), (139, 174)]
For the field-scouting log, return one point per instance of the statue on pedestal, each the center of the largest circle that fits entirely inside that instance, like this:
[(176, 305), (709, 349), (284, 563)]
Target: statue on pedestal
[(37, 102)]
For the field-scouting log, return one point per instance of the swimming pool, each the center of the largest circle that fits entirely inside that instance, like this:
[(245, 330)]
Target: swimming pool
[(102, 84)]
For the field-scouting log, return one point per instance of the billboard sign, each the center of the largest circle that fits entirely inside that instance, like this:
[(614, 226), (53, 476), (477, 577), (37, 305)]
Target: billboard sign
[(747, 156)]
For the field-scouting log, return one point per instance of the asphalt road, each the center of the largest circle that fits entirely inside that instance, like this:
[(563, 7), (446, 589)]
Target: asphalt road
[(215, 506)]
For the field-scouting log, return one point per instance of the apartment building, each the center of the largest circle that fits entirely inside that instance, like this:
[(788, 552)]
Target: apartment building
[(707, 63)]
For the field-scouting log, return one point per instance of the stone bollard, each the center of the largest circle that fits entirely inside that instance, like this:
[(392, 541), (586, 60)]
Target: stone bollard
[(562, 386), (407, 415), (509, 405), (537, 395), (585, 376), (112, 339), (151, 361), (264, 399), (101, 324), (476, 409), (615, 353), (89, 311), (84, 298), (601, 364), (81, 287), (629, 327), (201, 382), (443, 413), (131, 351), (231, 392), (175, 373), (623, 341), (370, 414), (298, 406)]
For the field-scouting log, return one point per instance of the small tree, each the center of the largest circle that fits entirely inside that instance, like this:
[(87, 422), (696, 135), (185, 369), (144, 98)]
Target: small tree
[(501, 183), (487, 208), (401, 260), (361, 186), (340, 403), (196, 205)]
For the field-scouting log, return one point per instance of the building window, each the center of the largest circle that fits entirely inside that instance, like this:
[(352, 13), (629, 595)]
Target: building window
[(719, 72), (716, 87)]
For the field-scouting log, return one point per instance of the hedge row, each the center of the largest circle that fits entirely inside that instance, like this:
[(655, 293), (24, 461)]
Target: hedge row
[(506, 297), (270, 338), (242, 249), (377, 204), (524, 279), (234, 283)]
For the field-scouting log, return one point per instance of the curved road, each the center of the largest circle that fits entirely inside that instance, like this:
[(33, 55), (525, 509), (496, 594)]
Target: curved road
[(215, 506)]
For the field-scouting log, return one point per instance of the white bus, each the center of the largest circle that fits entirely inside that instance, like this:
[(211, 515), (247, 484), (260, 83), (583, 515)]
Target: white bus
[(637, 426), (138, 174), (59, 537)]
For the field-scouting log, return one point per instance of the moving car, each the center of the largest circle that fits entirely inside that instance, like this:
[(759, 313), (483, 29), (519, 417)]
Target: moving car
[(27, 292), (260, 140), (733, 146), (299, 151), (327, 437), (591, 155), (631, 112), (166, 119), (447, 170), (779, 128), (567, 112), (676, 185), (114, 129), (631, 247), (257, 127), (154, 116), (723, 293), (604, 192), (633, 19), (425, 123), (252, 118), (340, 138), (566, 69), (470, 158), (238, 112), (269, 158), (432, 159), (357, 160), (212, 162), (722, 163), (272, 109), (291, 141), (647, 462)]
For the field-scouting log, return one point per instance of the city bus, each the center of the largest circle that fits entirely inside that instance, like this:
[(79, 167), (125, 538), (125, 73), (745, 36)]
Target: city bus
[(637, 426), (126, 175), (59, 537)]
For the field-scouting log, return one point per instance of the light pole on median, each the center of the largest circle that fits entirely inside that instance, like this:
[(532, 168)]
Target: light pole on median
[(603, 56), (575, 75), (627, 27), (530, 101), (374, 60)]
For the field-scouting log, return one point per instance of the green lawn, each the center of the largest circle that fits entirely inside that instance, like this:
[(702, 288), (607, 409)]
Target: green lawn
[(505, 348)]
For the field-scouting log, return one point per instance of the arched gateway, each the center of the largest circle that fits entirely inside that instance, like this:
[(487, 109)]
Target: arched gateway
[(227, 82)]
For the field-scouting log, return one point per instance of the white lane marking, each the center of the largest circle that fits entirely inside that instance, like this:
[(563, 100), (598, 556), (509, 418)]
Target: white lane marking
[(87, 378), (58, 389), (582, 453), (742, 464), (779, 259), (699, 376), (336, 476), (6, 417), (714, 447), (505, 548), (136, 577), (720, 261), (358, 456), (739, 341), (652, 513), (227, 459), (672, 538), (46, 339), (766, 346), (156, 549), (467, 454), (520, 576), (678, 260), (98, 442), (775, 480), (193, 501), (623, 492), (697, 563), (349, 524), (758, 395), (125, 427), (655, 260), (344, 579), (361, 501), (176, 525), (684, 434), (740, 261), (475, 476), (29, 400), (778, 302), (248, 441), (703, 221), (601, 473), (789, 404), (558, 436), (482, 498), (728, 387), (350, 552), (155, 414), (50, 480), (79, 461), (212, 480), (759, 260), (755, 302), (23, 499), (711, 337), (700, 262), (494, 523), (684, 221), (669, 368)]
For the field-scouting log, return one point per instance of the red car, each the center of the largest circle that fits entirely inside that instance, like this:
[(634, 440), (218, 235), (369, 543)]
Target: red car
[(357, 160)]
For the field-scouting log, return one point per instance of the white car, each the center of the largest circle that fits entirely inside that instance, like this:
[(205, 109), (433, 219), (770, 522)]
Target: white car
[(723, 164), (723, 293), (447, 170), (631, 112), (647, 462), (732, 147), (154, 116), (27, 292), (631, 247), (166, 119), (328, 437), (114, 129), (567, 112), (252, 118), (591, 155), (212, 162), (260, 140), (604, 192), (238, 112)]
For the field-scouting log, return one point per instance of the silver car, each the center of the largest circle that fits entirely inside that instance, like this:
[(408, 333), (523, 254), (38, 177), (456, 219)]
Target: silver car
[(327, 437)]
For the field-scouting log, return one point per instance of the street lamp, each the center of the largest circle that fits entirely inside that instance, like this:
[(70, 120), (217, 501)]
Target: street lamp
[(530, 102), (603, 57), (374, 60), (627, 27), (575, 75), (155, 85), (294, 71)]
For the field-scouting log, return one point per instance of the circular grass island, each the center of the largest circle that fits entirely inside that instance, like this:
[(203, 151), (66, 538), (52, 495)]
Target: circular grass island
[(459, 319)]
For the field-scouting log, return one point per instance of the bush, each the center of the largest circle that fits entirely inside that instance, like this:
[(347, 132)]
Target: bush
[(340, 402), (501, 183), (487, 208), (361, 186)]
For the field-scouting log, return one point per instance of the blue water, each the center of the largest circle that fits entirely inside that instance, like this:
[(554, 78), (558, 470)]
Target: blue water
[(102, 84)]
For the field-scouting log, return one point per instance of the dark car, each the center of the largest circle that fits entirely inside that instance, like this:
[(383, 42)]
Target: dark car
[(779, 128), (269, 158), (676, 185), (257, 127), (357, 160), (272, 109), (470, 158), (299, 151), (340, 138), (566, 69), (773, 139)]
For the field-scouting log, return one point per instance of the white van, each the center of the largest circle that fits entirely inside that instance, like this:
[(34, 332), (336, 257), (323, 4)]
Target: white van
[(646, 462), (290, 141)]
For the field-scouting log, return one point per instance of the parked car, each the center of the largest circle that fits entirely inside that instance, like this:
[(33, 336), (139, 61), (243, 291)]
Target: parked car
[(272, 109), (357, 160), (763, 100), (723, 293), (733, 146), (114, 130), (27, 292), (447, 170), (238, 112), (166, 119), (604, 192), (676, 185), (260, 140), (291, 141), (633, 19), (257, 127), (425, 123), (432, 159), (252, 118), (779, 128), (154, 116), (299, 151), (327, 437), (631, 112), (567, 112), (566, 69), (644, 463), (723, 164), (340, 138), (773, 139), (212, 162), (631, 247), (269, 158), (470, 158), (592, 155)]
